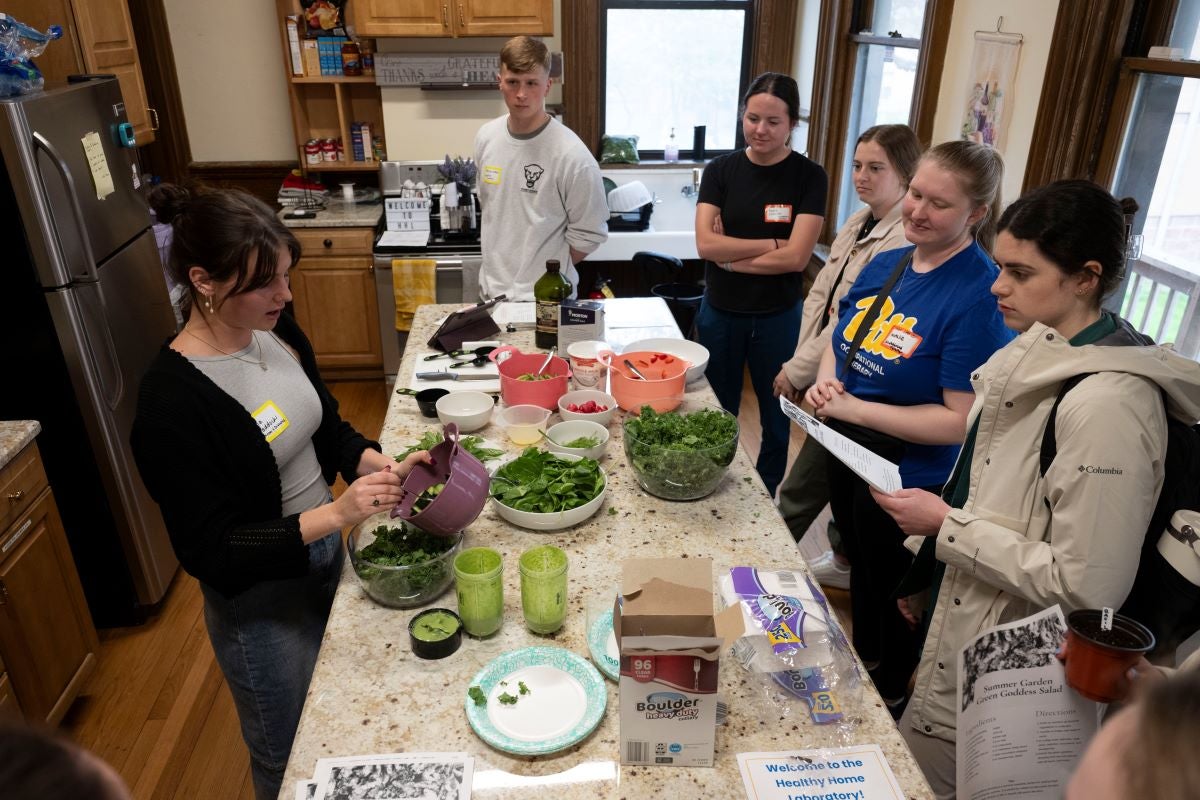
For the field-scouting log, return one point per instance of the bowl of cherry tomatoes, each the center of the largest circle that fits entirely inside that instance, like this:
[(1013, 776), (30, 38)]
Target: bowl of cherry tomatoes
[(590, 405)]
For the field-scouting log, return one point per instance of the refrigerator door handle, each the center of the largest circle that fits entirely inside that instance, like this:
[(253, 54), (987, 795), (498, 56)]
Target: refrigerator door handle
[(109, 379), (42, 143)]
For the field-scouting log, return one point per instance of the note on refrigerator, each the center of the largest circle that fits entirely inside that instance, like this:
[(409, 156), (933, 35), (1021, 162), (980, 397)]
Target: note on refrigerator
[(879, 472), (93, 148)]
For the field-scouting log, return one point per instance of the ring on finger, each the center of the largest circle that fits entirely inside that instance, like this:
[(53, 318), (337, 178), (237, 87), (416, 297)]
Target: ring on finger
[(375, 502)]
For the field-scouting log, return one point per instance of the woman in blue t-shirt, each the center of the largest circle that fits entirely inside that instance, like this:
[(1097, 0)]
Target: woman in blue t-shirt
[(757, 218), (910, 380)]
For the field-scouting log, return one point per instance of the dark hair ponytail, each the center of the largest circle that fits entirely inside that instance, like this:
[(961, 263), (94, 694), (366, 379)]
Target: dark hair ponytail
[(1074, 222), (778, 85)]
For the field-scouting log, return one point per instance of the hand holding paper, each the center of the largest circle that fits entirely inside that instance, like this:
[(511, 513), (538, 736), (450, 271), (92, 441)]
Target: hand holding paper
[(880, 473)]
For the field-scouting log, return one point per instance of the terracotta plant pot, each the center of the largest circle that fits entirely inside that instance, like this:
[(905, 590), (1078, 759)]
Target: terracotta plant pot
[(1097, 660)]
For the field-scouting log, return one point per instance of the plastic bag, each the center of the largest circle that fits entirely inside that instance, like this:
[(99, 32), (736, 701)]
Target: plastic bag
[(18, 44), (618, 149), (793, 644)]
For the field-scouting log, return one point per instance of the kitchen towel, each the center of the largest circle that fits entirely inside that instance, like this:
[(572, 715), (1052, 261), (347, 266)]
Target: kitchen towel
[(414, 282)]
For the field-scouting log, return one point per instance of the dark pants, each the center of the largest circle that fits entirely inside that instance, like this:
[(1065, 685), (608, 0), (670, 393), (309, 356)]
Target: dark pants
[(805, 490), (875, 546), (762, 342)]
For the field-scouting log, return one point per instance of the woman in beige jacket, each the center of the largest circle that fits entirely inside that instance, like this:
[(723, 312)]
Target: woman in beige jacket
[(885, 157), (1013, 541)]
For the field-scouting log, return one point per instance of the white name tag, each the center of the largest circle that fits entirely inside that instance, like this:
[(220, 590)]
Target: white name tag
[(902, 341), (270, 419), (779, 212), (492, 175)]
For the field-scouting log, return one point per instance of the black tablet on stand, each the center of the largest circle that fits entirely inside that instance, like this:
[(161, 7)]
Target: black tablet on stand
[(468, 324)]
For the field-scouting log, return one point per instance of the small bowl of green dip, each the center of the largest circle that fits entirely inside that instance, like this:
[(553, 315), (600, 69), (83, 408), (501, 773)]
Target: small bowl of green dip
[(435, 633)]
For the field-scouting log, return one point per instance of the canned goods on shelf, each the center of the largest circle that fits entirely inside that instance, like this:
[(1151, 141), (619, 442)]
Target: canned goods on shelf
[(328, 150), (312, 151)]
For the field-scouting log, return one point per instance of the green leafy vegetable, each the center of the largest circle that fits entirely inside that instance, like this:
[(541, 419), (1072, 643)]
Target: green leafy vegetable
[(472, 444), (523, 688), (536, 376), (404, 546), (544, 483), (583, 442), (680, 456), (476, 694), (426, 497), (508, 699)]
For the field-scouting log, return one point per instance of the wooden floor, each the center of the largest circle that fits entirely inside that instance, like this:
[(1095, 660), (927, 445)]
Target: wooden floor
[(157, 708)]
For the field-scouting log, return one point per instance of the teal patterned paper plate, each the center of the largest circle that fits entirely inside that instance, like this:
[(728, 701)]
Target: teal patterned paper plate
[(565, 701), (599, 637)]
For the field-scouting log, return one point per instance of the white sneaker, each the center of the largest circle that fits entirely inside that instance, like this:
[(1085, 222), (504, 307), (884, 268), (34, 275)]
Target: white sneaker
[(829, 572)]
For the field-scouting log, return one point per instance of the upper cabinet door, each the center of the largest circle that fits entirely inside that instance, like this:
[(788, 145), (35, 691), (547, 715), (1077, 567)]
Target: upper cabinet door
[(503, 17), (106, 39), (402, 17)]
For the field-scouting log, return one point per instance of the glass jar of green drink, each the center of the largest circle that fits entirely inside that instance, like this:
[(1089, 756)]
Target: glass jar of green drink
[(544, 588), (479, 583)]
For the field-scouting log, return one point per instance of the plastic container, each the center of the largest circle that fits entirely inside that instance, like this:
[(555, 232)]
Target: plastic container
[(464, 492), (580, 397), (512, 364), (1097, 660), (470, 411), (663, 388), (524, 424), (572, 430), (435, 633)]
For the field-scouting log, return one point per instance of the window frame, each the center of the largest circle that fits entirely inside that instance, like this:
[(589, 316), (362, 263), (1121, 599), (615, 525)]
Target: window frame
[(747, 6)]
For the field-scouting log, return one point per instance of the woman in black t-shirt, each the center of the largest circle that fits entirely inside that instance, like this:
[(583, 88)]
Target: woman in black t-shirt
[(758, 216)]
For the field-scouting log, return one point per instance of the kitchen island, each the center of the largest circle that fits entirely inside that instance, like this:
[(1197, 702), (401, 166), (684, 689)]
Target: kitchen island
[(370, 694)]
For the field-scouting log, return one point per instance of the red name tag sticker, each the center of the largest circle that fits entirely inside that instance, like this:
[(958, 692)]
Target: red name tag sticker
[(778, 212), (902, 341)]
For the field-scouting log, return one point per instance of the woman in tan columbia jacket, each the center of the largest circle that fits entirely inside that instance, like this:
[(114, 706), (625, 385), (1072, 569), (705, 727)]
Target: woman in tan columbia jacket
[(1013, 542)]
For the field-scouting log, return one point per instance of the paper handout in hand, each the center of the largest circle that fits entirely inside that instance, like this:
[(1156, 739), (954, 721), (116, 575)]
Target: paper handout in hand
[(879, 472)]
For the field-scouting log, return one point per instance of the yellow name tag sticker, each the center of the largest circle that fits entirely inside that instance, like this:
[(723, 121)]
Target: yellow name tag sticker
[(779, 212), (270, 419), (492, 175)]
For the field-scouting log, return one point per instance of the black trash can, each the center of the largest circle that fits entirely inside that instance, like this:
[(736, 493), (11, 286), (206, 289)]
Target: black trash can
[(683, 299)]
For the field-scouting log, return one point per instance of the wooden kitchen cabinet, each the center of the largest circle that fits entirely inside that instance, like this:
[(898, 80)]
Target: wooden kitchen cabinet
[(333, 295), (10, 709), (454, 17), (97, 38), (47, 640)]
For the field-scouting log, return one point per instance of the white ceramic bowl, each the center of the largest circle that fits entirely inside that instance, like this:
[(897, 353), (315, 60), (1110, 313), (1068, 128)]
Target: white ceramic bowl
[(580, 396), (693, 352), (573, 429), (470, 411), (556, 520)]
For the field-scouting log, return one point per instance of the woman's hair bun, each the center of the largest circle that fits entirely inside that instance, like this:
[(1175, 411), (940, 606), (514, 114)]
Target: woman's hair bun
[(169, 200), (1128, 205)]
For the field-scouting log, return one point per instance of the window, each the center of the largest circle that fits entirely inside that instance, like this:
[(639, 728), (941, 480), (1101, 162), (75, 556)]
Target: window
[(672, 66), (1157, 161)]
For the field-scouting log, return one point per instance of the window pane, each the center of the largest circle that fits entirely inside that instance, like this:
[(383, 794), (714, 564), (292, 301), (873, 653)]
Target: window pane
[(1185, 32), (905, 16), (1159, 162), (883, 88), (673, 69)]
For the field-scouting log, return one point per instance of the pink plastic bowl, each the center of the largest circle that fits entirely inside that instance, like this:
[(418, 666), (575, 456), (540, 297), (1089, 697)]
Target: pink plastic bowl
[(460, 501), (513, 364), (663, 390)]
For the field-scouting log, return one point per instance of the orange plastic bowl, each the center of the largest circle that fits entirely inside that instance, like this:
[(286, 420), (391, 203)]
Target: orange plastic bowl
[(664, 385), (544, 393)]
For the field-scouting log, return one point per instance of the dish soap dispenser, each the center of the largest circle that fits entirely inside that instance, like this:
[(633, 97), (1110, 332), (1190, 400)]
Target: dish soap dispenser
[(671, 154)]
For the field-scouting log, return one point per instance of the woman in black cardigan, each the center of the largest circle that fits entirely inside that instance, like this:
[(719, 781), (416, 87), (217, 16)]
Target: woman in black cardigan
[(237, 439)]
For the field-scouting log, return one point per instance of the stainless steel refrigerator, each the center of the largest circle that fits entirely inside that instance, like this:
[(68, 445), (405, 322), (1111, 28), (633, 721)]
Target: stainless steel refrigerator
[(83, 309)]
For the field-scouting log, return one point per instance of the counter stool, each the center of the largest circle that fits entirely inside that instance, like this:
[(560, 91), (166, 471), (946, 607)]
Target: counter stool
[(656, 272)]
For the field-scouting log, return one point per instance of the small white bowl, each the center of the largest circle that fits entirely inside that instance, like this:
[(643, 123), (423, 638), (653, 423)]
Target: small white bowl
[(573, 429), (470, 411), (580, 396), (555, 520), (693, 352)]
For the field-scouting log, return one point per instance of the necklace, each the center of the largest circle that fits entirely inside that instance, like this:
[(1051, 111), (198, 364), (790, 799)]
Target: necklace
[(260, 361)]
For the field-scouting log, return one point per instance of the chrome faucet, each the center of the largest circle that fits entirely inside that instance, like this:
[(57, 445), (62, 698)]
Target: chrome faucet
[(692, 189)]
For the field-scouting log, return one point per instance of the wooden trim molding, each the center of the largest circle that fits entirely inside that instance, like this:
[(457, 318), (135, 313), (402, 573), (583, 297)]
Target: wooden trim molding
[(934, 35), (259, 178), (774, 36), (1082, 73), (830, 111), (581, 86), (171, 151)]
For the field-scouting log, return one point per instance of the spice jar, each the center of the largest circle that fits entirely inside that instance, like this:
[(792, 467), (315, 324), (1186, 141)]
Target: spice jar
[(367, 58), (351, 63)]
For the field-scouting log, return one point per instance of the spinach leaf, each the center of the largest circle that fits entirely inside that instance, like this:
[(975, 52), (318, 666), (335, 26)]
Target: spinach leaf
[(472, 444), (544, 483)]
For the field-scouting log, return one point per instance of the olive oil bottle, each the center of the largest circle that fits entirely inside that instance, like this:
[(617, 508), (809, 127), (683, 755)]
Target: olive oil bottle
[(549, 292)]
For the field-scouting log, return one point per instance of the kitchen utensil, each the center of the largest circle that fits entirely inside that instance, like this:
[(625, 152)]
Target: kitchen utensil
[(464, 491), (512, 364), (634, 370), (451, 354), (629, 197), (694, 352), (541, 369), (564, 705), (426, 399), (663, 386), (479, 583), (403, 586), (470, 411), (571, 430), (480, 356), (543, 588), (443, 375), (524, 424)]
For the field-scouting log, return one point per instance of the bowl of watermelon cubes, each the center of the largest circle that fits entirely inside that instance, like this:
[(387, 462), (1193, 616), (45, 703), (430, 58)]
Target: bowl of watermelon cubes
[(587, 404)]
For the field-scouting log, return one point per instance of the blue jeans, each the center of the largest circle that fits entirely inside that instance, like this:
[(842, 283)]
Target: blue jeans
[(764, 342), (266, 640)]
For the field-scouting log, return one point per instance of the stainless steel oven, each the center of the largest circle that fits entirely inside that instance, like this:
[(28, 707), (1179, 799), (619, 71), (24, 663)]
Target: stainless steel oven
[(456, 253)]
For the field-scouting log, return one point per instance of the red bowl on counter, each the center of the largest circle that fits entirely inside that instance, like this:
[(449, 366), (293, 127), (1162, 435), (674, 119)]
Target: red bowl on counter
[(512, 364), (663, 389)]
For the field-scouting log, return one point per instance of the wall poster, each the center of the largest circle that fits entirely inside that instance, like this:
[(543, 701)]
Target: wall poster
[(989, 101)]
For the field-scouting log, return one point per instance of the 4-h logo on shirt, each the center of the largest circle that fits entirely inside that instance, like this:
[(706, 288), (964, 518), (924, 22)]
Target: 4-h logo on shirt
[(532, 173)]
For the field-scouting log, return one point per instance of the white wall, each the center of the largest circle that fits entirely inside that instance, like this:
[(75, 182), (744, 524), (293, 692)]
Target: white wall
[(229, 58), (1034, 19)]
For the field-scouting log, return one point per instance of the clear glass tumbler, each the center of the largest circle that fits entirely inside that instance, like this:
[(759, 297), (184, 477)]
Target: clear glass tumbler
[(544, 588), (479, 583)]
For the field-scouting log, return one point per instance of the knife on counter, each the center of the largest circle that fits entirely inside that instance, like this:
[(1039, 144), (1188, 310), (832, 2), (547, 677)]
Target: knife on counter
[(442, 375)]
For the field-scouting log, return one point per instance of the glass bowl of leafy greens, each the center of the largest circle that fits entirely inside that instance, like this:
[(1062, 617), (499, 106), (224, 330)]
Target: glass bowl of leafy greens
[(681, 454), (401, 566), (548, 491)]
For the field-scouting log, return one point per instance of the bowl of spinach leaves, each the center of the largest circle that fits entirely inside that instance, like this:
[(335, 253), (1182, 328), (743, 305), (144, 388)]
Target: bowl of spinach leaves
[(682, 454), (548, 491), (401, 566)]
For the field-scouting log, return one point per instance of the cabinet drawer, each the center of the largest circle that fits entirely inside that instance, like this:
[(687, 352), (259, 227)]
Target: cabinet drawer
[(20, 483), (335, 241)]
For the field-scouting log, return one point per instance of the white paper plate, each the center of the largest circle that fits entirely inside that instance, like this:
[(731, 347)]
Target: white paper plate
[(602, 644)]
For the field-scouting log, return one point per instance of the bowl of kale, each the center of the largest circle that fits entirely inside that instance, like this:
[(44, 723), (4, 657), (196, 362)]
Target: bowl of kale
[(682, 454), (401, 566)]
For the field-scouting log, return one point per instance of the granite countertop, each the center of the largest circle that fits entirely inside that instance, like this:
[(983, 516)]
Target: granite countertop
[(14, 435), (370, 694), (338, 214)]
